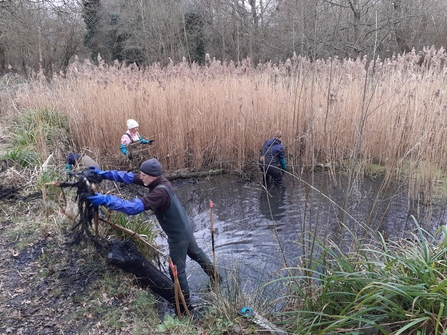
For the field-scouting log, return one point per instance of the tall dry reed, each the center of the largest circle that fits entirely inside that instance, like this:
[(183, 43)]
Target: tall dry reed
[(391, 112)]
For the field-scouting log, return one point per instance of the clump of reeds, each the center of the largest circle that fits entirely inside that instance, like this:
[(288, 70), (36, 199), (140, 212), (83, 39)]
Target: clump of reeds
[(384, 287), (37, 134), (332, 111)]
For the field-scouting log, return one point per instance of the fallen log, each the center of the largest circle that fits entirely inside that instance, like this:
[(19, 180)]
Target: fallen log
[(192, 174), (125, 255)]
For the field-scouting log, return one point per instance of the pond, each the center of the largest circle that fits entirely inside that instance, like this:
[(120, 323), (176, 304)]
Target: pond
[(258, 233)]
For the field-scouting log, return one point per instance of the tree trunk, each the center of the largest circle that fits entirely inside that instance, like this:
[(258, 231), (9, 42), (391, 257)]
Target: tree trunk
[(2, 60), (400, 35)]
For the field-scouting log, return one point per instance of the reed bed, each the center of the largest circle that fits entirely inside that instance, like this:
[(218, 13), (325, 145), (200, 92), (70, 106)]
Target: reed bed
[(332, 112)]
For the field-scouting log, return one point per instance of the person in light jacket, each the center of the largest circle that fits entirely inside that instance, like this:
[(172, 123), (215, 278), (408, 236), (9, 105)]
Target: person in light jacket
[(132, 136)]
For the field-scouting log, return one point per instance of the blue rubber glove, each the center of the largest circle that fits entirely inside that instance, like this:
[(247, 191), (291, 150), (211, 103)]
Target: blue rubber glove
[(282, 161), (97, 200), (68, 167), (123, 149), (119, 176), (117, 204)]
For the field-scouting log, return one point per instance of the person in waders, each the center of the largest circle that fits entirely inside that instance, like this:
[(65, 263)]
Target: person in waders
[(169, 212), (272, 161), (132, 136), (78, 160)]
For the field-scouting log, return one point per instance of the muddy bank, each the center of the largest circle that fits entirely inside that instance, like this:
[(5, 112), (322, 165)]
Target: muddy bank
[(43, 281)]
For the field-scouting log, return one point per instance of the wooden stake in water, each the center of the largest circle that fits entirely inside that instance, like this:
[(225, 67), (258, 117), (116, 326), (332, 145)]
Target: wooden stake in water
[(212, 243)]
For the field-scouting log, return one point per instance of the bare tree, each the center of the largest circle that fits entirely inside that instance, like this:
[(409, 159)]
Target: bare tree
[(419, 23), (40, 35), (147, 31), (45, 34), (354, 28), (237, 29)]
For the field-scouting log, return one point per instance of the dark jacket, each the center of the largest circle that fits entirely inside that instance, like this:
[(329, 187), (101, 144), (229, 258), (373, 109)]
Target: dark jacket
[(156, 199), (167, 208), (272, 153)]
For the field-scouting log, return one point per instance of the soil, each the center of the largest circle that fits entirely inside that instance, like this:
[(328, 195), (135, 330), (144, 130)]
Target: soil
[(41, 283)]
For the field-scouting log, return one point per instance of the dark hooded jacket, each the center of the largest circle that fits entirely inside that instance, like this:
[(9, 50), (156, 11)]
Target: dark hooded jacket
[(272, 153)]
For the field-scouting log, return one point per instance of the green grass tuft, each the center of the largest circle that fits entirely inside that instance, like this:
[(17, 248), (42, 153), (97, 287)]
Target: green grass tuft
[(36, 134), (383, 286)]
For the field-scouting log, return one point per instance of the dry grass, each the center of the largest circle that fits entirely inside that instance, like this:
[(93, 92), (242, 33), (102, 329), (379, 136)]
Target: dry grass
[(391, 112)]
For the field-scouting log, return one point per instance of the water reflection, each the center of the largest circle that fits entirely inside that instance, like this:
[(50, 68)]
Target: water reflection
[(271, 202)]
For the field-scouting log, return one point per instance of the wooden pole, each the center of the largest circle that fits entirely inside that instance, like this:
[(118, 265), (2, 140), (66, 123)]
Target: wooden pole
[(96, 213), (176, 287), (178, 290), (212, 244)]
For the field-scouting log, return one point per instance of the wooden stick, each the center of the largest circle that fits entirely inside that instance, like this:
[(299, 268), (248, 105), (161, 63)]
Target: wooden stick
[(95, 219), (178, 290), (95, 213), (58, 198), (176, 287), (212, 244), (181, 294)]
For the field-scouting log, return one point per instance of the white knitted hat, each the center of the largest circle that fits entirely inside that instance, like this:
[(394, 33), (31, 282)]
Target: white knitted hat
[(131, 123)]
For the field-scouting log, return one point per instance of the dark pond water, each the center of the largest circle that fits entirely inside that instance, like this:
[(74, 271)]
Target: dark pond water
[(257, 233)]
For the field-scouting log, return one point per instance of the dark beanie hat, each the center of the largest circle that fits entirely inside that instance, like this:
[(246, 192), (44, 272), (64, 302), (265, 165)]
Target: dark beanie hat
[(151, 167), (73, 158)]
